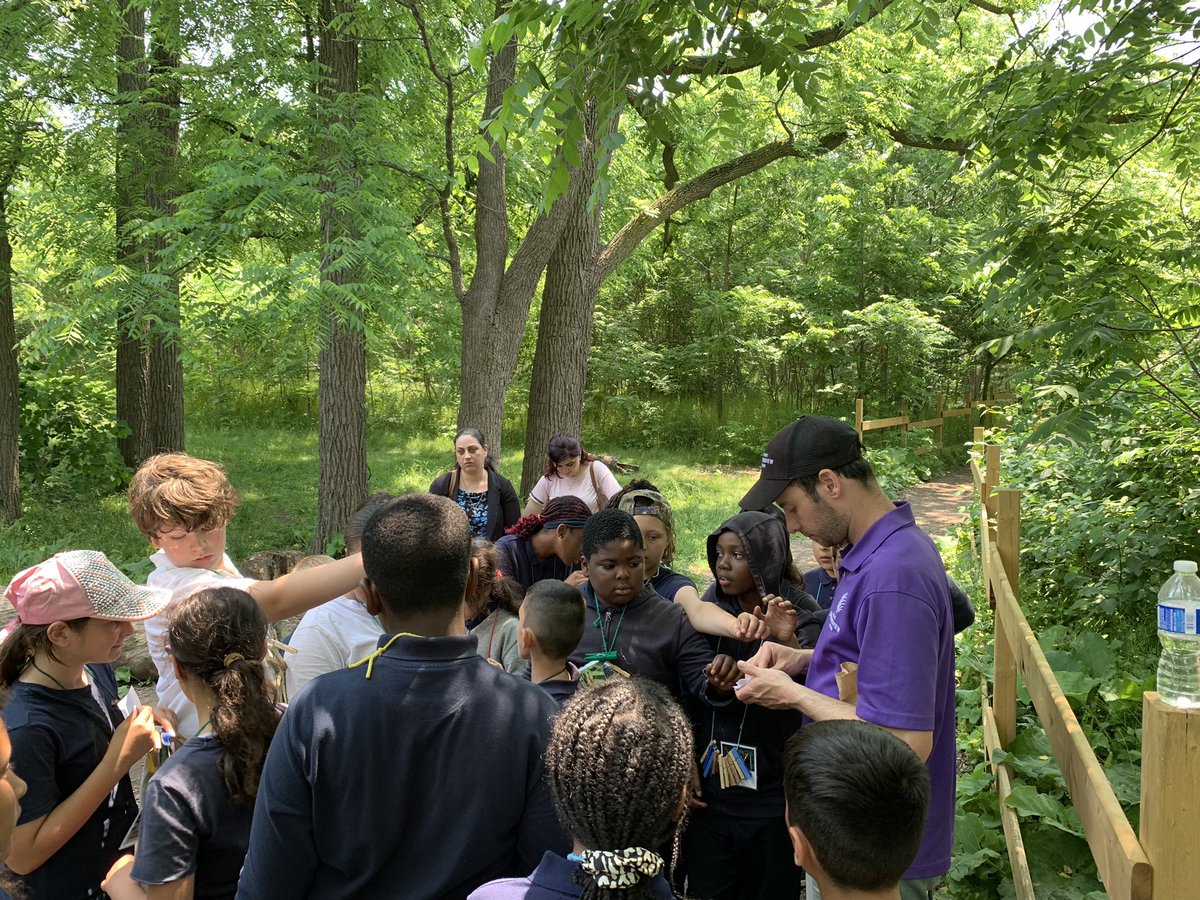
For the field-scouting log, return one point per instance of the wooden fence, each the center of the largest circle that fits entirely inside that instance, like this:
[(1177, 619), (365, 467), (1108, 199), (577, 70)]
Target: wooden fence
[(903, 421), (1159, 863)]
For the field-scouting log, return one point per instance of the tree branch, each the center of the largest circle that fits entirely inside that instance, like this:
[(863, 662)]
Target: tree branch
[(922, 142), (719, 65), (632, 233), (444, 191)]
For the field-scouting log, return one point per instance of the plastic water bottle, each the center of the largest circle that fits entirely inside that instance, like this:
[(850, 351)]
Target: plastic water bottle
[(1179, 665)]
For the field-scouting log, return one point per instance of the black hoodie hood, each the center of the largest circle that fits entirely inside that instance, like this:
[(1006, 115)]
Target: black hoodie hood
[(766, 541)]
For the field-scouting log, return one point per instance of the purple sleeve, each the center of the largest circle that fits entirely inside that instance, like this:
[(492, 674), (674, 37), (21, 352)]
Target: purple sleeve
[(897, 664)]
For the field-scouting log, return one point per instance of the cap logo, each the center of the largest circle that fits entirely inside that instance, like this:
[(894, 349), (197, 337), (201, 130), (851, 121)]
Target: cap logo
[(767, 460)]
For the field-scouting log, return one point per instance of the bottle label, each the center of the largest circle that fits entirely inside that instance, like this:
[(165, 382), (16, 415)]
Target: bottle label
[(1173, 619)]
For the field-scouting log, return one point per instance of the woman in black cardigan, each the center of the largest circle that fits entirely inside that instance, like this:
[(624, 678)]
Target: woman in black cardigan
[(486, 496)]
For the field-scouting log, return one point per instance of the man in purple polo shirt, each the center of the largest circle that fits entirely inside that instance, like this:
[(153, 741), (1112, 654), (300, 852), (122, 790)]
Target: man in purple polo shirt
[(890, 616)]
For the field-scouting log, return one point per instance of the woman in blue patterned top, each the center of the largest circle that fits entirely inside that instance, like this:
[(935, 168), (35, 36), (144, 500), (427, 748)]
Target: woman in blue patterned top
[(486, 496)]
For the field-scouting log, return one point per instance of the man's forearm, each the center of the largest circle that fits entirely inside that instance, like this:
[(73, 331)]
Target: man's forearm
[(820, 708)]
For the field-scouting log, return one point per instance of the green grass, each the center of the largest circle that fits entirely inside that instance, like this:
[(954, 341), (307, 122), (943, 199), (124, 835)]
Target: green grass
[(275, 470)]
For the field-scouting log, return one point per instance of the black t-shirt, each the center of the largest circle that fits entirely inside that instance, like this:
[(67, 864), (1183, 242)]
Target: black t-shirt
[(58, 739), (190, 824)]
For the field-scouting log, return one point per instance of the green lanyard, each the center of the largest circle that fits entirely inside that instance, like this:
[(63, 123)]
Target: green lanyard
[(609, 653)]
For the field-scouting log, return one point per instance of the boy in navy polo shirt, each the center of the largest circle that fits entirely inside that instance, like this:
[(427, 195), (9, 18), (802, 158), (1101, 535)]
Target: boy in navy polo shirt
[(891, 616), (365, 792), (856, 802), (550, 626)]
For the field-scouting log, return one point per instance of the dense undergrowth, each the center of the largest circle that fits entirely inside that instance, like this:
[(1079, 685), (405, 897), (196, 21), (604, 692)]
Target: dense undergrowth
[(1101, 521)]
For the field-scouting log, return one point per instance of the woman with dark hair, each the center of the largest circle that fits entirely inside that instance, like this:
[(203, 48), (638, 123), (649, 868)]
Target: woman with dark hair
[(198, 806), (486, 496), (572, 471), (491, 612)]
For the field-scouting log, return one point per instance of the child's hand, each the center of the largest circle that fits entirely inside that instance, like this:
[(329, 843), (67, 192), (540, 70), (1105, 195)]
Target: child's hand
[(166, 719), (133, 739), (722, 673), (779, 617), (576, 578), (750, 627)]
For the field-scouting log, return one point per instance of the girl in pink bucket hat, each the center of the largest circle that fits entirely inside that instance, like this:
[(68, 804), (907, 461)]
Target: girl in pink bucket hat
[(73, 743)]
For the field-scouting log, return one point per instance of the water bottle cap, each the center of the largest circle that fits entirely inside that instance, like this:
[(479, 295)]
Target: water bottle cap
[(1185, 567)]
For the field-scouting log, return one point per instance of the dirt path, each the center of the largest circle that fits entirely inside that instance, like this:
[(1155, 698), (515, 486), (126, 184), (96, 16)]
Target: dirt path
[(936, 504)]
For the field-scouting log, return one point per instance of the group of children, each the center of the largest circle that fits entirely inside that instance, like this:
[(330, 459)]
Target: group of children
[(406, 765)]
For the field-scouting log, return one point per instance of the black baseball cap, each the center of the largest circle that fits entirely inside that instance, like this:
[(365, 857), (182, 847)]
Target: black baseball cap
[(805, 447)]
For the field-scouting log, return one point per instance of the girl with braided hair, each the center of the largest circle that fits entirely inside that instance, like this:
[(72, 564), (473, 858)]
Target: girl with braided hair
[(197, 809), (546, 544), (618, 767)]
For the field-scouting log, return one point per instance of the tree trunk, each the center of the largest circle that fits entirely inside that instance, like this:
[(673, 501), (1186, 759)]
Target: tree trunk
[(132, 360), (164, 383), (560, 360), (149, 372), (10, 386), (342, 389)]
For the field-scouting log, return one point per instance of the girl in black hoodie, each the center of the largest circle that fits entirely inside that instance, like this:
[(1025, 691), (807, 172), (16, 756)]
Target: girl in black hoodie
[(736, 846)]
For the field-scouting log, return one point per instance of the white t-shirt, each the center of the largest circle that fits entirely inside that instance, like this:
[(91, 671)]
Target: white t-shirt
[(182, 583), (328, 638), (547, 488)]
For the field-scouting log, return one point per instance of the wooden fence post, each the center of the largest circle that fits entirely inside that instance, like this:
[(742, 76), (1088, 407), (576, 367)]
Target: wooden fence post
[(978, 438), (1008, 539), (991, 477), (858, 418), (904, 427), (1170, 808), (937, 430)]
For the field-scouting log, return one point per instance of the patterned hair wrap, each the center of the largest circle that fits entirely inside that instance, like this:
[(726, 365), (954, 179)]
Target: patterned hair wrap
[(619, 868)]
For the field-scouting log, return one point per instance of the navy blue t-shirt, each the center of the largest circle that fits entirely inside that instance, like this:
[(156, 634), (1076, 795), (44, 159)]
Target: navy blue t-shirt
[(667, 582), (58, 739), (516, 559), (191, 825)]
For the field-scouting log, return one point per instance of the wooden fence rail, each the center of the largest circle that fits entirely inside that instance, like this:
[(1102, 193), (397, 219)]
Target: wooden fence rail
[(1160, 864), (862, 424)]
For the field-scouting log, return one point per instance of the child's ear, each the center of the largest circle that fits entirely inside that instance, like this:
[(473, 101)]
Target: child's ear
[(59, 633), (801, 849), (181, 674), (583, 566), (371, 599), (525, 642)]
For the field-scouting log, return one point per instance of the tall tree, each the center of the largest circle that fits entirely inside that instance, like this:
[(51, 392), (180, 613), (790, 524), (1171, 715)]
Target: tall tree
[(149, 373), (342, 451)]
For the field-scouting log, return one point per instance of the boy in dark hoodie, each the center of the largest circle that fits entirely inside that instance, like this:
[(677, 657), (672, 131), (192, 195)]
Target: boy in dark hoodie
[(628, 629), (736, 846)]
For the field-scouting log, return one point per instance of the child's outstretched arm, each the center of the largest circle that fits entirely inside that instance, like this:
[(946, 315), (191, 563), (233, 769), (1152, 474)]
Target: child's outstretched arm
[(36, 841), (298, 592), (708, 618)]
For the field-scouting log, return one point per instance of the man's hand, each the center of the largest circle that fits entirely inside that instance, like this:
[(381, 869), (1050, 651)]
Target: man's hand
[(722, 673), (791, 660), (772, 688)]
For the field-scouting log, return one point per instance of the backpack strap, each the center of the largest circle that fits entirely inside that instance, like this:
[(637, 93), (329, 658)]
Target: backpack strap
[(601, 500), (453, 483)]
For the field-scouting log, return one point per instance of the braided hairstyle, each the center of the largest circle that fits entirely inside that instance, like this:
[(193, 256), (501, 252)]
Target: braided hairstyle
[(564, 507), (219, 635), (618, 763), (492, 589)]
